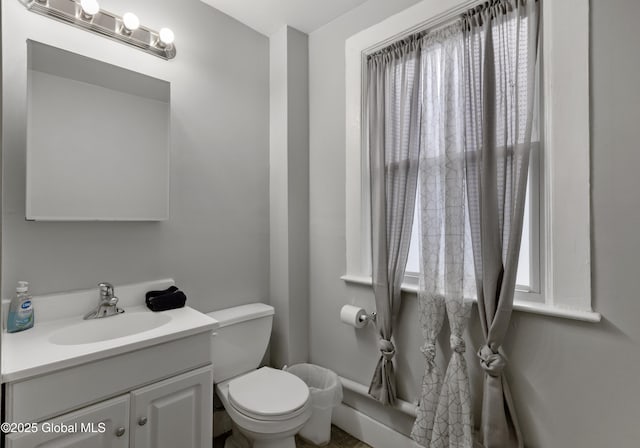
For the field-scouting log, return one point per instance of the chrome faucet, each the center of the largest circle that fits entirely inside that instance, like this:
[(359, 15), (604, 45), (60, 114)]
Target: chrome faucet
[(107, 305)]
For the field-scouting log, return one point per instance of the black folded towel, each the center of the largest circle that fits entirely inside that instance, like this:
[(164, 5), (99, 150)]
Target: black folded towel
[(150, 294), (173, 298)]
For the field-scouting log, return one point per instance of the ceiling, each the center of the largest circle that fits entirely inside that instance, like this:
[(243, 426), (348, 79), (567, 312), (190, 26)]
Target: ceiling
[(268, 16)]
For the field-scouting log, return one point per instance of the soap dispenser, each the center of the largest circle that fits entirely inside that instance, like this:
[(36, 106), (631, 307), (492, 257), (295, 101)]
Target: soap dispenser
[(21, 309)]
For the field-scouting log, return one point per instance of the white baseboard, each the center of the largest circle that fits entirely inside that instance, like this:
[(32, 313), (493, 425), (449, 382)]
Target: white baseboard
[(368, 430)]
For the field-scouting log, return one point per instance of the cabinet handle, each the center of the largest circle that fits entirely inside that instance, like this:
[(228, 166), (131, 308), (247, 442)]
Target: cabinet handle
[(142, 421), (120, 431)]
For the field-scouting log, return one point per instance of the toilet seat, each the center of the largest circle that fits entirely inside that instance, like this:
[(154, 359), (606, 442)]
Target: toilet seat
[(268, 394)]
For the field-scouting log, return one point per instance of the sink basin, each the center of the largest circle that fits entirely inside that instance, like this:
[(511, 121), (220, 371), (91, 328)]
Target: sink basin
[(104, 329)]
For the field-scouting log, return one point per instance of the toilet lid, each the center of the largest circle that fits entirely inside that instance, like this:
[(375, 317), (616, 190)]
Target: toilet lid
[(268, 394)]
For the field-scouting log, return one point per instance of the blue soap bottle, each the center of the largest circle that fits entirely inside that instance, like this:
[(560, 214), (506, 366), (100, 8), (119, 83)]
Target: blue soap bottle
[(21, 309)]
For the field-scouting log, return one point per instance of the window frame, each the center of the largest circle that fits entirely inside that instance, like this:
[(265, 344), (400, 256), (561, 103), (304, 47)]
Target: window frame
[(565, 234)]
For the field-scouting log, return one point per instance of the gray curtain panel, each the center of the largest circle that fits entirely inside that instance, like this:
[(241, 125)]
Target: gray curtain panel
[(394, 141), (501, 40)]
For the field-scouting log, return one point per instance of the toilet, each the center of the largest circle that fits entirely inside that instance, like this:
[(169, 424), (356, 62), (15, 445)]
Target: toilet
[(267, 406)]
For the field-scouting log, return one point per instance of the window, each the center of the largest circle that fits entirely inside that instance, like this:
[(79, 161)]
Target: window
[(557, 281)]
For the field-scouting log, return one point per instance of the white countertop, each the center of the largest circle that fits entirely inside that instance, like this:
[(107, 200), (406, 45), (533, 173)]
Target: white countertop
[(30, 353)]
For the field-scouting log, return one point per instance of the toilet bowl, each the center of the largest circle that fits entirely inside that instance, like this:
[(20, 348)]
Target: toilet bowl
[(267, 406)]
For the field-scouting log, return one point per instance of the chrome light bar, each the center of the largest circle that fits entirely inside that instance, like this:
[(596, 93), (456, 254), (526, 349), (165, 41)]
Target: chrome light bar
[(87, 15)]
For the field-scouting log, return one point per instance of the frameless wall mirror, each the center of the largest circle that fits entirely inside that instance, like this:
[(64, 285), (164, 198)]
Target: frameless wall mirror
[(97, 140)]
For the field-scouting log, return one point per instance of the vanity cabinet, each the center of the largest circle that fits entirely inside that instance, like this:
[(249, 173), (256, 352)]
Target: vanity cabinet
[(159, 396), (138, 381), (172, 413), (103, 425)]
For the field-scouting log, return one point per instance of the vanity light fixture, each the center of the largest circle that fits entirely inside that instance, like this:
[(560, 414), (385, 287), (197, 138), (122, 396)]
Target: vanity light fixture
[(86, 14)]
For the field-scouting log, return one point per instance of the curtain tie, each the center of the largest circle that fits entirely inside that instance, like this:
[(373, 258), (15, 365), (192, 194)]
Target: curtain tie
[(457, 344), (492, 362), (387, 349), (428, 349)]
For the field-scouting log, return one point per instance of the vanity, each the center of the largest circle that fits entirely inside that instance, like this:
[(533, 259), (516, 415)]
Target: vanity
[(138, 379), (96, 148)]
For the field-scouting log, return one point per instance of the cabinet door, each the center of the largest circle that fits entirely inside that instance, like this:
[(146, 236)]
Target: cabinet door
[(104, 425), (174, 413)]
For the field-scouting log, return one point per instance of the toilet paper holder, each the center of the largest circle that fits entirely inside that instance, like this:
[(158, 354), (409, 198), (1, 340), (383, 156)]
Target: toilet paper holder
[(356, 316), (371, 317)]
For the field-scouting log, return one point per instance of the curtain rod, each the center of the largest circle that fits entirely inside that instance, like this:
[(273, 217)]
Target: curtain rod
[(436, 22)]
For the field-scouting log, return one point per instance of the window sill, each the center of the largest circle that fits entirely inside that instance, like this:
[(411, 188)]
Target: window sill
[(518, 305)]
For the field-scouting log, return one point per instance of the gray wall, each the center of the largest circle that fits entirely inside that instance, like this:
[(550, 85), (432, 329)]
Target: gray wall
[(216, 242), (575, 383)]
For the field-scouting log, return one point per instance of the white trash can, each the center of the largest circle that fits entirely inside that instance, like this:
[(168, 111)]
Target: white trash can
[(326, 393)]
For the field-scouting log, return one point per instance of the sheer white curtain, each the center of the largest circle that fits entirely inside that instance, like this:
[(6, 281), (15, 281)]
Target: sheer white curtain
[(447, 271)]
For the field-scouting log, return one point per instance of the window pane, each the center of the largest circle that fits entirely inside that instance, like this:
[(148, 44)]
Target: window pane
[(413, 262), (523, 276)]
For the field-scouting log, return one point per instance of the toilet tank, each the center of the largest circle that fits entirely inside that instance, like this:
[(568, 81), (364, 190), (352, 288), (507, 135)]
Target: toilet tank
[(241, 340)]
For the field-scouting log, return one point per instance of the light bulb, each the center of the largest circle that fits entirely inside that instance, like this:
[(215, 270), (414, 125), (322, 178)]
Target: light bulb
[(130, 21), (166, 36), (89, 7)]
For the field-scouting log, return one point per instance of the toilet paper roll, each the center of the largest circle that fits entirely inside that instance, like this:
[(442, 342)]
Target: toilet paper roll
[(354, 316)]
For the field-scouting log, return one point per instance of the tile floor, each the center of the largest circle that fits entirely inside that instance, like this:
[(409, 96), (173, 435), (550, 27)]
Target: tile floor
[(339, 439)]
